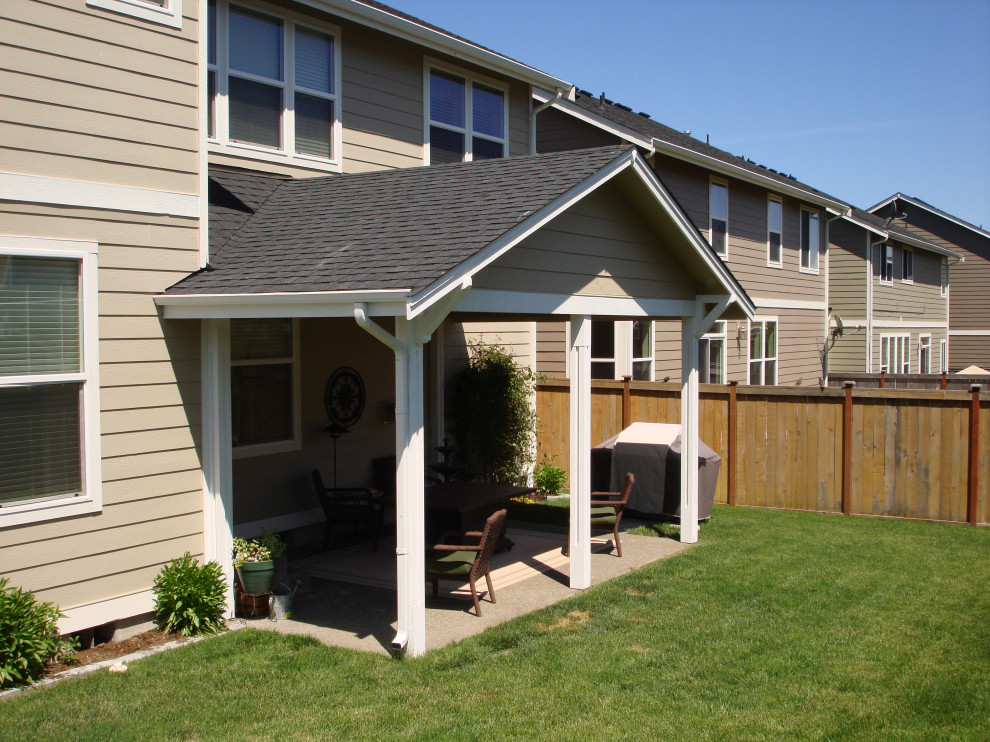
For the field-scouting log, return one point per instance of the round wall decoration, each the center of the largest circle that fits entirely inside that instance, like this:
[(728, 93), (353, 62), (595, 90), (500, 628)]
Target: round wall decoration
[(344, 396)]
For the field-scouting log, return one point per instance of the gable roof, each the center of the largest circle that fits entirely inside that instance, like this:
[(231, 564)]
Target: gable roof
[(640, 129), (928, 207), (411, 232), (890, 229)]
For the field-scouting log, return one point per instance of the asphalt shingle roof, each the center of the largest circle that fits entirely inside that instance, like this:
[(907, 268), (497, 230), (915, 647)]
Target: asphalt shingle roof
[(393, 229), (643, 124)]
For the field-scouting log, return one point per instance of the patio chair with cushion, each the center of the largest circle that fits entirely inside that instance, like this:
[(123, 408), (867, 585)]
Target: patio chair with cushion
[(468, 559), (606, 511), (357, 507)]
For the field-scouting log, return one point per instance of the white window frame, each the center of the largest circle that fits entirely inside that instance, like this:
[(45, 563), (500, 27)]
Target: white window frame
[(895, 353), (712, 182), (470, 78), (90, 500), (717, 334), (618, 340), (290, 444), (763, 321), (774, 199), (168, 13), (924, 344), (634, 359), (907, 261), (943, 355), (220, 141), (943, 288), (887, 264), (815, 247)]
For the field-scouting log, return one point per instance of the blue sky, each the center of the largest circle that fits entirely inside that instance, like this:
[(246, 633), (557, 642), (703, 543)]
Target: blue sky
[(859, 99)]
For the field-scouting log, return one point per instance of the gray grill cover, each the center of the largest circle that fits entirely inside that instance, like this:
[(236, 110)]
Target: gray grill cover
[(652, 452)]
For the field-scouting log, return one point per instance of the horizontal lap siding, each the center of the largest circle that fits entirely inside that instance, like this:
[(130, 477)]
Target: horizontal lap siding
[(848, 275), (920, 300), (460, 337), (92, 95), (969, 350), (551, 349), (558, 132)]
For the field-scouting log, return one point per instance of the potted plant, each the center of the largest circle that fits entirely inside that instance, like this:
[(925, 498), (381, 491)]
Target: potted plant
[(253, 560)]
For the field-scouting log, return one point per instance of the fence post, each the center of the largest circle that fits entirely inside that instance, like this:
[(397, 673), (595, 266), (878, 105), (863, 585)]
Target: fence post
[(626, 403), (732, 424), (974, 452), (847, 437), (883, 383), (945, 383)]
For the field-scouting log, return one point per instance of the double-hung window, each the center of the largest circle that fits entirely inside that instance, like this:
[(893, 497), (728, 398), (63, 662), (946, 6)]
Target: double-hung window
[(944, 278), (774, 231), (895, 354), (886, 263), (711, 355), (642, 350), (763, 352), (943, 355), (925, 354), (718, 217), (907, 265), (273, 85), (809, 240), (602, 349), (264, 386), (49, 382), (467, 118)]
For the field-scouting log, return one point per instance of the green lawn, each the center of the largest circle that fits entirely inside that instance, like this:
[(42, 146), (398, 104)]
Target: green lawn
[(778, 625)]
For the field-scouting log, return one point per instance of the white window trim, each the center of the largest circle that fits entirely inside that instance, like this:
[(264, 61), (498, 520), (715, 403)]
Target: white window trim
[(943, 355), (895, 341), (720, 332), (749, 349), (633, 359), (921, 344), (884, 248), (430, 63), (220, 142), (814, 255), (905, 251), (168, 14), (294, 443), (725, 184), (621, 342), (777, 200), (91, 500)]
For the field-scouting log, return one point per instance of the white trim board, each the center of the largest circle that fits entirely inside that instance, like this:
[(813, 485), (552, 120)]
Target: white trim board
[(87, 195), (930, 209), (279, 523), (385, 303), (766, 302), (910, 323), (970, 333), (105, 611), (524, 302), (168, 14)]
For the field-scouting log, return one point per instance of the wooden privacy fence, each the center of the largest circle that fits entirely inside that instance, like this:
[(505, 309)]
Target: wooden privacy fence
[(885, 452)]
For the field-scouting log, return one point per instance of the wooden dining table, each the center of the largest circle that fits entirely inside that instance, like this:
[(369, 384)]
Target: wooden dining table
[(465, 506)]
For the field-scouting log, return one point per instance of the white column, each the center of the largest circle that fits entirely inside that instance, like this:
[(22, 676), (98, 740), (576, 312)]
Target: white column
[(579, 537), (218, 495), (410, 519), (689, 431)]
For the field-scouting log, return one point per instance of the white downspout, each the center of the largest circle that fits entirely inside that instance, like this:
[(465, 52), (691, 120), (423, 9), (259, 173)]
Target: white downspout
[(532, 117)]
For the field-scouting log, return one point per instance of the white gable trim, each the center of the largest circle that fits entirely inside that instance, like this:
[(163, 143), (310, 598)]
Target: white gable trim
[(526, 302), (381, 303), (931, 210)]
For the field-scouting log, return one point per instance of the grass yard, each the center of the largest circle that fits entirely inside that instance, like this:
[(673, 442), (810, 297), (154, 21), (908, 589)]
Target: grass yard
[(778, 625)]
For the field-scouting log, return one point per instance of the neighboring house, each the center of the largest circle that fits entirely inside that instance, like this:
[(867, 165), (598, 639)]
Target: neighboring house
[(969, 309), (769, 229), (263, 165), (889, 296)]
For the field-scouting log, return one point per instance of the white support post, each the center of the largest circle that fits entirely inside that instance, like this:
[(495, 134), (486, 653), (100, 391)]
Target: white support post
[(218, 496), (689, 427), (579, 537), (410, 500)]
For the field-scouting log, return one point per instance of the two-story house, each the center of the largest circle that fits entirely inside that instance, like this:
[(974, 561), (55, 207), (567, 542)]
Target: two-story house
[(210, 207), (969, 312), (889, 293), (769, 229)]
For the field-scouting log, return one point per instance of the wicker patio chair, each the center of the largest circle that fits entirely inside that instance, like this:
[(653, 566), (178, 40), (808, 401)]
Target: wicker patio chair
[(467, 560), (606, 511), (357, 507)]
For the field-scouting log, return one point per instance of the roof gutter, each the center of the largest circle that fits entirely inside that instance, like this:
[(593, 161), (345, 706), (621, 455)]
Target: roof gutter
[(906, 239), (394, 25)]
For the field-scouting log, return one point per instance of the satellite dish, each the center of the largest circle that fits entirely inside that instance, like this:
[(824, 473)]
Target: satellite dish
[(838, 324)]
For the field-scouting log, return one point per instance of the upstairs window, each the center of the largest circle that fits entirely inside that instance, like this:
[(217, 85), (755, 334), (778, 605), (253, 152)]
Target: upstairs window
[(944, 278), (774, 232), (809, 240), (907, 265), (718, 222), (467, 119), (272, 85), (886, 264)]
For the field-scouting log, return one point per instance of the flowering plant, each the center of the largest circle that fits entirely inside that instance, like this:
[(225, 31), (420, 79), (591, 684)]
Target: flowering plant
[(258, 549)]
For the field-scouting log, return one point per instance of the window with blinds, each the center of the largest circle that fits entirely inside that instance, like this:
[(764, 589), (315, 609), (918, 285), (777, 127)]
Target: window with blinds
[(272, 82), (41, 379), (466, 119)]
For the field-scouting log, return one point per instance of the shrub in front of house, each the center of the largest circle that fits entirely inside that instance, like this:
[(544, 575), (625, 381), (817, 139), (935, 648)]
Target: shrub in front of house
[(28, 636), (189, 597)]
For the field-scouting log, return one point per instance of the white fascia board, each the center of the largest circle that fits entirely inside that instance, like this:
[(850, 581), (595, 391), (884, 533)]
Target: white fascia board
[(84, 194), (383, 303), (454, 279), (910, 323), (931, 210), (403, 28), (766, 302), (572, 109), (525, 302), (864, 225), (897, 236)]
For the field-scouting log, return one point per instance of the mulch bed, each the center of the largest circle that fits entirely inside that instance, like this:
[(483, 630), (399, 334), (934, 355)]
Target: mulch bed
[(111, 650)]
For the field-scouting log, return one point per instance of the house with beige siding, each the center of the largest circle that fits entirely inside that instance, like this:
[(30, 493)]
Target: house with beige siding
[(207, 207), (769, 228), (889, 295), (969, 311)]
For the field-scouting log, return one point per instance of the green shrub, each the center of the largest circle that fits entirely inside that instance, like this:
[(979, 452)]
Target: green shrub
[(549, 479), (189, 598), (28, 636)]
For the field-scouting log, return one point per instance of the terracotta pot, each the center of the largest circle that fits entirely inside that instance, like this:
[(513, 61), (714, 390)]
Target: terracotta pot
[(256, 577)]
